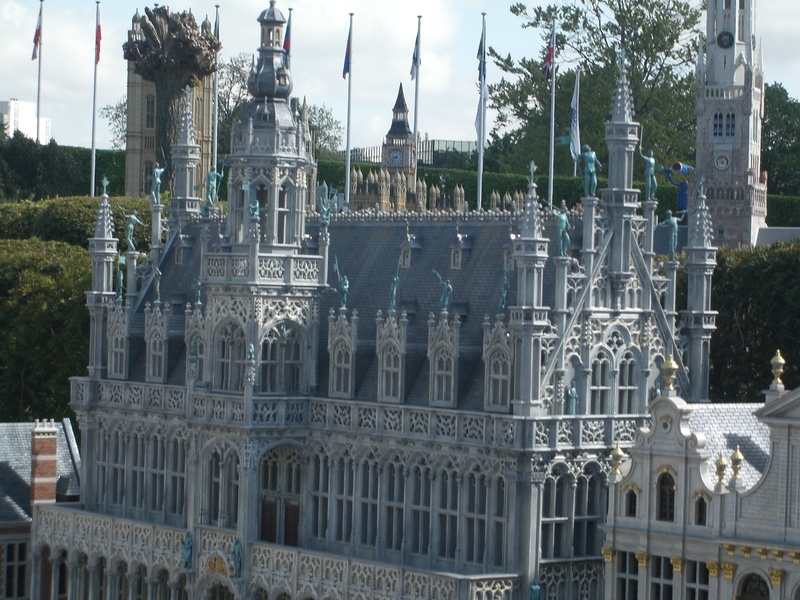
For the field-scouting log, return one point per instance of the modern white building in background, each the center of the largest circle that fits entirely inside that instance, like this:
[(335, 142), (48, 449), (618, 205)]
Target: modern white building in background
[(17, 115)]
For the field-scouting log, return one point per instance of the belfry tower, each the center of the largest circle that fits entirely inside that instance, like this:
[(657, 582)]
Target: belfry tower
[(729, 105)]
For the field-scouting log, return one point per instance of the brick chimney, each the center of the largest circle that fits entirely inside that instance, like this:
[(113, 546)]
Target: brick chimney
[(44, 449)]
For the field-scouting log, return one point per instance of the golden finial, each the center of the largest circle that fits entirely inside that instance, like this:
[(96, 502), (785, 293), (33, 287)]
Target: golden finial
[(721, 464), (669, 368), (616, 460), (777, 363), (737, 458)]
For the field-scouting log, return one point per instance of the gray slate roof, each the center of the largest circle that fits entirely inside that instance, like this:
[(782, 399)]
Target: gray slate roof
[(729, 425), (15, 469)]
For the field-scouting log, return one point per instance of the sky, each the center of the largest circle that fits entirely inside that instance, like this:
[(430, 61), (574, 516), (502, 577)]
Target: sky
[(383, 42)]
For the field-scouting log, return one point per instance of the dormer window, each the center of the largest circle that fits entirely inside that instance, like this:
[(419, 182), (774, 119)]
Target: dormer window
[(405, 258), (455, 258)]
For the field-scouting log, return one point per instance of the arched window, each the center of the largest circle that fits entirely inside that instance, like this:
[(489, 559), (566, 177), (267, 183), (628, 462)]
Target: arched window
[(420, 506), (116, 467), (319, 496), (631, 500), (220, 592), (282, 361), (176, 479), (368, 501), (442, 385), (231, 354), (730, 124), (475, 517), (150, 112), (340, 373), (601, 385), (342, 487), (197, 351), (447, 513), (117, 362), (700, 511), (665, 498), (717, 124), (498, 540), (155, 347), (394, 499), (499, 380), (223, 489), (589, 512), (390, 374), (555, 510), (280, 476), (754, 587), (627, 385), (282, 216), (136, 473)]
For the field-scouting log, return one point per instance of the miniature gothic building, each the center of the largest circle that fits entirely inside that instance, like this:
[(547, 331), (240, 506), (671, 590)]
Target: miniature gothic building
[(453, 444)]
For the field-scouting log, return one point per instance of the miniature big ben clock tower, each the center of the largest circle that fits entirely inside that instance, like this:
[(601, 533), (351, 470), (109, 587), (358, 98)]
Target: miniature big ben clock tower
[(729, 106), (399, 156)]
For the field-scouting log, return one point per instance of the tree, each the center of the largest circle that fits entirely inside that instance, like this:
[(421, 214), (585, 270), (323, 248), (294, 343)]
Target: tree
[(173, 53), (326, 131), (233, 95), (658, 38), (780, 140), (117, 116)]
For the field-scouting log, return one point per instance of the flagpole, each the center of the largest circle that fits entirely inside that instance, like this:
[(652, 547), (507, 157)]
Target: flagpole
[(349, 90), (575, 136), (552, 123), (39, 81), (215, 125), (94, 98), (417, 63), (482, 112)]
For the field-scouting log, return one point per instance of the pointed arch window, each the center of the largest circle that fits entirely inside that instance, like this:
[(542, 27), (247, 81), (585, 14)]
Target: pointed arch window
[(343, 485), (630, 503), (282, 215), (223, 489), (475, 517), (394, 499), (341, 369), (280, 476), (665, 498), (368, 502), (730, 124), (447, 513), (176, 479), (319, 496), (197, 352), (155, 349), (150, 112), (231, 354), (600, 390), (589, 513), (390, 374), (498, 387), (627, 385), (442, 384), (420, 506), (117, 362), (700, 511), (555, 511), (282, 361), (717, 124)]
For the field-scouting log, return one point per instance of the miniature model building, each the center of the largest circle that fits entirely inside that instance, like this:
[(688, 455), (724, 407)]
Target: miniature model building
[(730, 107), (369, 404), (705, 505)]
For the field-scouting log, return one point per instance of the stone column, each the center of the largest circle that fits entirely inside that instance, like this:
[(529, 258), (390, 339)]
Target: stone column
[(74, 567), (55, 579), (94, 580), (111, 583), (36, 574)]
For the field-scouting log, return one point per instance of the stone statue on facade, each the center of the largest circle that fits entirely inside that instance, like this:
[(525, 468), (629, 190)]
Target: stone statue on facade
[(651, 185), (672, 225), (501, 303), (344, 284), (213, 180), (447, 291), (236, 558), (563, 227), (131, 221), (155, 188), (187, 552), (324, 211), (590, 166), (393, 291), (571, 399)]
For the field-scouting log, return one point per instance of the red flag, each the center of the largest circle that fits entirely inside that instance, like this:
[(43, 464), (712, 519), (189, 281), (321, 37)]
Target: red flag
[(37, 36), (97, 37), (550, 54)]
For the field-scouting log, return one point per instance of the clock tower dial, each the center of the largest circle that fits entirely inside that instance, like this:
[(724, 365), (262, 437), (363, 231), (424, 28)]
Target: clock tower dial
[(396, 157)]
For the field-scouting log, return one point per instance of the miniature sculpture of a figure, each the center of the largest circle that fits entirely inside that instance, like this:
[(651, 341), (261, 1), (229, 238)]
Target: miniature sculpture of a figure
[(651, 185), (236, 557), (155, 188), (213, 180), (187, 551), (501, 303), (683, 190), (156, 282), (590, 166), (563, 226), (251, 353), (324, 211), (344, 284), (105, 183), (655, 392), (672, 224), (571, 399), (120, 274), (447, 291), (393, 291), (253, 207), (131, 221)]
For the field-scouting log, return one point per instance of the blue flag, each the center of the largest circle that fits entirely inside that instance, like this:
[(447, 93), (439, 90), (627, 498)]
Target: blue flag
[(346, 68), (415, 60)]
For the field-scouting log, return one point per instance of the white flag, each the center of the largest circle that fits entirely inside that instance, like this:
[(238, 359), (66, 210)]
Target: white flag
[(574, 126)]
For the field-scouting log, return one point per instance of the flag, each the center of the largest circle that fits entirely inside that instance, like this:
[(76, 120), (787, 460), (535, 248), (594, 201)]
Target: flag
[(416, 61), (484, 92), (216, 26), (550, 54), (574, 126), (97, 37), (37, 36), (346, 68), (287, 39)]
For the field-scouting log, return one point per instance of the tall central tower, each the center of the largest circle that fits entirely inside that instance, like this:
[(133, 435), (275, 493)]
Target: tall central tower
[(729, 106)]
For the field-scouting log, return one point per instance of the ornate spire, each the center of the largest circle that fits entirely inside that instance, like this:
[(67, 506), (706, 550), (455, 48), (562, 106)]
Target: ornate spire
[(186, 132), (700, 231), (104, 222), (622, 107), (532, 223)]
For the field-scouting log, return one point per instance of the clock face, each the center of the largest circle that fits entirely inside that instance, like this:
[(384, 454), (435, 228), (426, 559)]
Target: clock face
[(396, 157), (722, 161), (725, 39)]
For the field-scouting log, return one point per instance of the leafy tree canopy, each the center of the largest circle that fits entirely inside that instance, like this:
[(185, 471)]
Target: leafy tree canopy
[(780, 140), (117, 116), (659, 40)]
